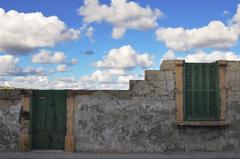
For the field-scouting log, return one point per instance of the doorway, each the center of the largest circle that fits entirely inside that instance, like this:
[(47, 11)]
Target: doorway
[(48, 119)]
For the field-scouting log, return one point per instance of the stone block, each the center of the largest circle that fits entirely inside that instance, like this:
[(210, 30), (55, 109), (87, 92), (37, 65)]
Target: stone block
[(139, 87), (233, 65), (69, 144), (170, 85), (5, 103), (235, 85), (3, 94), (158, 93), (168, 65), (14, 94), (124, 95), (154, 75), (24, 144), (230, 76), (233, 96), (237, 75), (26, 103), (169, 75), (158, 85)]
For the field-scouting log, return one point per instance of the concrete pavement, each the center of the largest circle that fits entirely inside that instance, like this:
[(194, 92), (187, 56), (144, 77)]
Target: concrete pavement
[(63, 155)]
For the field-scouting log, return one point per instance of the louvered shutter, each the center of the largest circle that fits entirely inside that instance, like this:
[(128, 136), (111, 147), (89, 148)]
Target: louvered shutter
[(201, 93)]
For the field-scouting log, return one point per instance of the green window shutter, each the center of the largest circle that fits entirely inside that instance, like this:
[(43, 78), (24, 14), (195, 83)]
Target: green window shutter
[(201, 93)]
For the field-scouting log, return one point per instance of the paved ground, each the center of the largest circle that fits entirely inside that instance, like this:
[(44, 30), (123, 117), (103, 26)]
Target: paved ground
[(62, 155)]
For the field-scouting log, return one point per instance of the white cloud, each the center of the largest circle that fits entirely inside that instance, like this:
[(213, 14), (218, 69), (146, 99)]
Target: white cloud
[(62, 68), (47, 57), (89, 32), (215, 35), (103, 75), (73, 61), (115, 70), (35, 78), (122, 14), (20, 32), (8, 65), (145, 60), (32, 71), (2, 79), (201, 56), (118, 33), (109, 79), (169, 55), (235, 21), (43, 82), (28, 82), (211, 57), (125, 57), (236, 17), (127, 77)]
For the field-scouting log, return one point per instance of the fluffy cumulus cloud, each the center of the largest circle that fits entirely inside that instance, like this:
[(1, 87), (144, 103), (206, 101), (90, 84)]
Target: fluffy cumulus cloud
[(89, 32), (21, 32), (9, 67), (62, 68), (27, 82), (169, 55), (30, 81), (122, 14), (116, 68), (125, 57), (47, 57), (211, 57), (235, 21), (103, 75), (8, 64), (215, 35), (73, 61), (31, 71), (201, 56), (113, 72), (109, 79)]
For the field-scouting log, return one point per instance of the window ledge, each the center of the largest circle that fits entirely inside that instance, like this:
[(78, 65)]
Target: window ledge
[(203, 123)]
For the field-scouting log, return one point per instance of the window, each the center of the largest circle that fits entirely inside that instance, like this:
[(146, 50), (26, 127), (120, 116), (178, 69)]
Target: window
[(201, 92)]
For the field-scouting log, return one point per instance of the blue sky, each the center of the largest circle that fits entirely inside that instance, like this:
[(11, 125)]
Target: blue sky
[(78, 49)]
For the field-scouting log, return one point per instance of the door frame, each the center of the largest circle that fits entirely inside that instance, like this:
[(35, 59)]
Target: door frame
[(25, 143), (50, 112)]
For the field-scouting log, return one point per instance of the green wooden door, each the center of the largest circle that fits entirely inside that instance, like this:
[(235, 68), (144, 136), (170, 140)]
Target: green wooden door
[(58, 128), (201, 91), (41, 119), (48, 119)]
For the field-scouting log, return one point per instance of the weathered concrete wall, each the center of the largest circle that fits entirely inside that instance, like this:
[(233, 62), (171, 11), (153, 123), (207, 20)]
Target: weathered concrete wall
[(141, 119), (10, 105), (145, 121)]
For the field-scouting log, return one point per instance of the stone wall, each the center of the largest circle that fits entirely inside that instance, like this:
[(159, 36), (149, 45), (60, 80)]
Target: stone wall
[(10, 105), (143, 119)]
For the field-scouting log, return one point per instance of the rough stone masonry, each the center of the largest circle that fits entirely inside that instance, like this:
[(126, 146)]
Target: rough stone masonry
[(141, 119), (10, 105)]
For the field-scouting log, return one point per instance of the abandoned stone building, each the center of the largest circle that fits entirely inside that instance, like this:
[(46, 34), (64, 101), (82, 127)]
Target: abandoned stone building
[(182, 107)]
